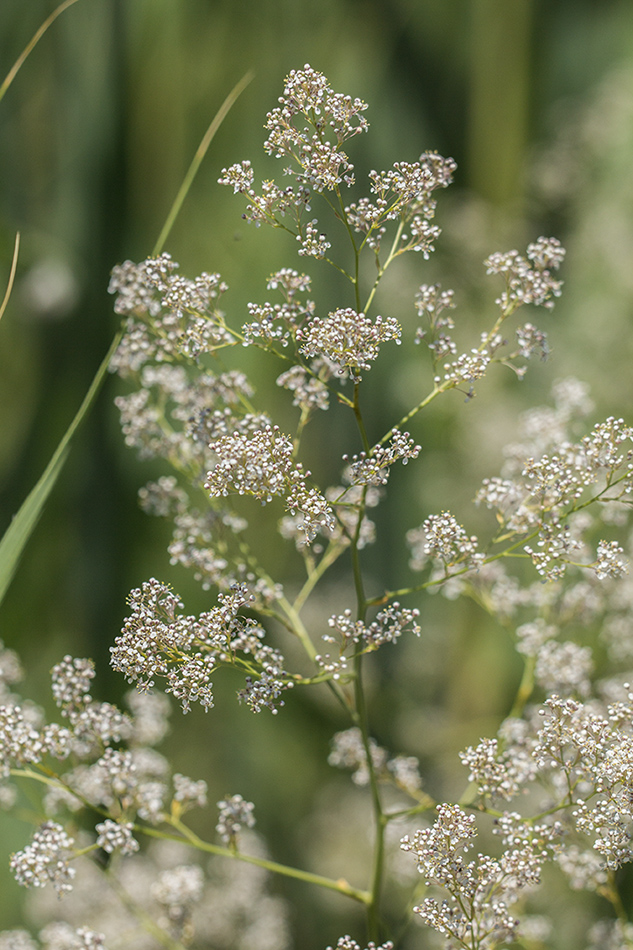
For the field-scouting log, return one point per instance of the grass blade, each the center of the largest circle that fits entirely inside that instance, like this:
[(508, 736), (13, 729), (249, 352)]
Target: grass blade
[(14, 267), (31, 44), (197, 158), (19, 531), (23, 523)]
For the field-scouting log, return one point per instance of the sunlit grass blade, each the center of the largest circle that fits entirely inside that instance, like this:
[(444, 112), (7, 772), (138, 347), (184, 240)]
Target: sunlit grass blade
[(14, 267), (197, 159), (32, 43), (23, 523)]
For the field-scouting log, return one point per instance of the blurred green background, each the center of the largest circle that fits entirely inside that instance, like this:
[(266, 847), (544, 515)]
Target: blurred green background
[(534, 100)]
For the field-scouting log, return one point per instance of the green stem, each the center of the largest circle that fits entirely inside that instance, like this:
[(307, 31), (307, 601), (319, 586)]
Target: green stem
[(298, 627), (393, 253), (380, 821), (340, 886), (359, 418), (332, 553), (525, 689)]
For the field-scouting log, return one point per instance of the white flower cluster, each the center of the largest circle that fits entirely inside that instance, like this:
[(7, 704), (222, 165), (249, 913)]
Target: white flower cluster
[(167, 315), (443, 539), (349, 340), (543, 494), (389, 625), (480, 892), (309, 127), (308, 98), (348, 752), (114, 835), (157, 641), (373, 467), (46, 859), (263, 465), (529, 279), (310, 392), (347, 943), (234, 814), (279, 322)]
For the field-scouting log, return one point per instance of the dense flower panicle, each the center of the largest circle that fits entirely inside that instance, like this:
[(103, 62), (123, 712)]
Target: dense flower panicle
[(308, 96), (564, 668), (21, 743), (113, 836), (610, 561), (544, 491), (279, 322), (263, 466), (480, 892), (309, 127), (348, 339), (441, 537), (571, 760), (289, 282), (388, 626), (532, 340), (174, 417), (312, 243), (496, 773), (274, 202), (467, 368), (367, 217), (168, 315), (234, 814), (188, 792), (373, 468), (529, 279), (71, 683), (414, 182), (135, 293), (431, 301), (45, 860), (592, 755), (309, 391), (158, 641), (404, 193)]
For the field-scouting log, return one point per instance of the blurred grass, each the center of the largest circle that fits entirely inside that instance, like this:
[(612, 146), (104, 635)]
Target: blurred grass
[(535, 101)]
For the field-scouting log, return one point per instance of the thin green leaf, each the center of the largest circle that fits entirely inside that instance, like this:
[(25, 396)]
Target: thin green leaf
[(33, 42), (23, 523), (14, 267), (197, 158)]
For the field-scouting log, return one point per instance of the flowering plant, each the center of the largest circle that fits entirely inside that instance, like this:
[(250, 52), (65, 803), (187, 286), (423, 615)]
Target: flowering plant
[(551, 788)]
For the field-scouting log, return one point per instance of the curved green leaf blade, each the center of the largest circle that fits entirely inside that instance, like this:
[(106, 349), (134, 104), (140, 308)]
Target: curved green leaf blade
[(23, 523)]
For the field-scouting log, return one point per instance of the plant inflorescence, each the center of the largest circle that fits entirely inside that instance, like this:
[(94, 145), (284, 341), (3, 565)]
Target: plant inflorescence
[(554, 784)]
